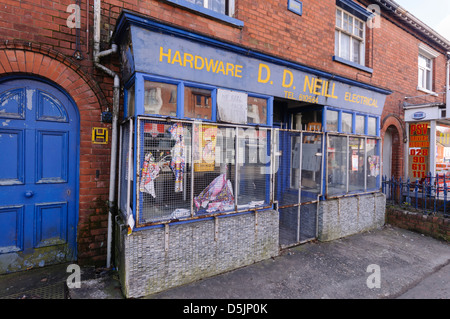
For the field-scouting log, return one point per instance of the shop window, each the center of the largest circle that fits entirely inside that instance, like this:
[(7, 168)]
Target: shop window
[(349, 37), (373, 164), (130, 101), (332, 120), (160, 98), (188, 169), (372, 126), (443, 150), (357, 167), (360, 124), (353, 164), (347, 122), (337, 165), (197, 103), (256, 110)]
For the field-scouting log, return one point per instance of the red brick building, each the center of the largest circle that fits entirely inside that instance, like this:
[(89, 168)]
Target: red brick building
[(368, 60)]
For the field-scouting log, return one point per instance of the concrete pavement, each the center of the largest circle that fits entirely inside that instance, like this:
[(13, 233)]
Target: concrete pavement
[(401, 263), (410, 266)]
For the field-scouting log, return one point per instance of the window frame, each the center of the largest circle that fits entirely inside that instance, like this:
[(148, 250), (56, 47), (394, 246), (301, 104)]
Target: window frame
[(139, 79), (428, 54), (339, 125), (331, 191), (339, 30), (425, 82), (329, 184), (227, 18)]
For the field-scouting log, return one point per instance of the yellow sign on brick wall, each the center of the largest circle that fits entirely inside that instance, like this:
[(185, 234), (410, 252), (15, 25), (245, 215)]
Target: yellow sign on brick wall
[(99, 135)]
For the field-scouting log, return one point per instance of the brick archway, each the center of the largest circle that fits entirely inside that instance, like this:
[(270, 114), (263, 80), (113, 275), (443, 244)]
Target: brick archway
[(394, 125), (46, 63), (52, 65)]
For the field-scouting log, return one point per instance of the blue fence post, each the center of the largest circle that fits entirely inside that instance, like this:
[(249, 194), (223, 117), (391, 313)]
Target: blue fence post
[(445, 197), (416, 192), (408, 197), (436, 190)]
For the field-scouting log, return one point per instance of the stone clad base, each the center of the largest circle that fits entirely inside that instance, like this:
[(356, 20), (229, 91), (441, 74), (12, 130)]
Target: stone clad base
[(346, 216), (159, 258)]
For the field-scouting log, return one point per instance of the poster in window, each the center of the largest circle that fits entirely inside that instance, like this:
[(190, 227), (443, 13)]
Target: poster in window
[(204, 147), (232, 106), (374, 165), (355, 162)]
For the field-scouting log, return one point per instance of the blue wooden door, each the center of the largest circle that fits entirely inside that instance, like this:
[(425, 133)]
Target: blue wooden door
[(38, 175)]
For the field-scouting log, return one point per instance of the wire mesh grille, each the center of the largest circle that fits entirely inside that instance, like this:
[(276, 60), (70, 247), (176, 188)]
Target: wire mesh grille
[(298, 176), (254, 169), (214, 168), (189, 169), (298, 183), (164, 170)]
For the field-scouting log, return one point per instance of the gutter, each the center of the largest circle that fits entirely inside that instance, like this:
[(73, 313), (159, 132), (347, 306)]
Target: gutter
[(414, 22), (112, 179)]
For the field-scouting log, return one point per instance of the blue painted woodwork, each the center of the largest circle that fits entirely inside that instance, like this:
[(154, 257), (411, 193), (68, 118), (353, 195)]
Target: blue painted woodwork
[(39, 140)]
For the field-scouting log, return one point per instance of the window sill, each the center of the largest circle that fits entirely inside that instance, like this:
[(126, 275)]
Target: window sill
[(428, 92), (352, 64), (207, 12)]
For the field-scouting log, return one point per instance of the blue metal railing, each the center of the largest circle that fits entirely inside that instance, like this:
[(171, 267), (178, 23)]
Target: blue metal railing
[(429, 194)]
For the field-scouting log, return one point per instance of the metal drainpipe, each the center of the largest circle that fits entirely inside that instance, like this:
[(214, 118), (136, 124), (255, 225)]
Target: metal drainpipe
[(112, 180)]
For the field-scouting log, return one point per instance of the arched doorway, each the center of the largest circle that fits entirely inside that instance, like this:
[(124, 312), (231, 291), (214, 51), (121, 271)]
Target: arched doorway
[(387, 153), (39, 139)]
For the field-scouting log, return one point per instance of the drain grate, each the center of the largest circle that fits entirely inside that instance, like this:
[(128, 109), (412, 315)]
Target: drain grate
[(56, 291)]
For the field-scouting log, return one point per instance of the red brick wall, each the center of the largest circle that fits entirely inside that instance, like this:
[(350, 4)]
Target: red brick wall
[(434, 226), (36, 30)]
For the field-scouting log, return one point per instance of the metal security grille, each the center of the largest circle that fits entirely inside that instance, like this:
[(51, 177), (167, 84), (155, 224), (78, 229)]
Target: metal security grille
[(298, 183), (126, 167), (55, 291), (190, 169), (164, 170)]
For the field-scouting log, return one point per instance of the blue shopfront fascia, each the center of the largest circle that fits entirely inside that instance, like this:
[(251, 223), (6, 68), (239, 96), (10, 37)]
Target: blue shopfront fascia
[(174, 53)]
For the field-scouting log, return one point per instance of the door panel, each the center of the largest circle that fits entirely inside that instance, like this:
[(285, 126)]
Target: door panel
[(51, 162), (11, 228), (11, 157), (39, 129), (51, 224)]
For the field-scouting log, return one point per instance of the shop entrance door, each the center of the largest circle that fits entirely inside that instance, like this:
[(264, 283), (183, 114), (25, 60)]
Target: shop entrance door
[(38, 176), (298, 183)]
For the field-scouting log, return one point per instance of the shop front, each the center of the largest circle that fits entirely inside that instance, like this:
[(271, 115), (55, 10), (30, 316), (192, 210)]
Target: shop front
[(224, 151), (428, 145)]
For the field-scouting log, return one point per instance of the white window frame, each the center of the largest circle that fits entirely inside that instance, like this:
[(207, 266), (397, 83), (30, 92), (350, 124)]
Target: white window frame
[(429, 54), (340, 30), (230, 12)]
